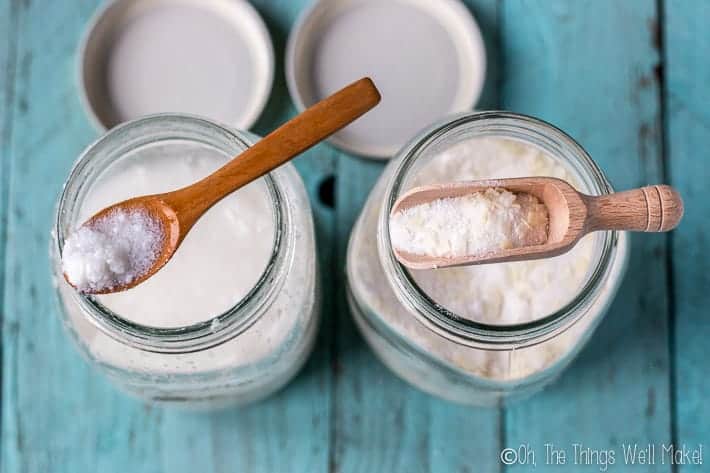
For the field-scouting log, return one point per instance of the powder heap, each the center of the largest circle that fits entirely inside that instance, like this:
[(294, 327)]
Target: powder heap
[(471, 225), (113, 251)]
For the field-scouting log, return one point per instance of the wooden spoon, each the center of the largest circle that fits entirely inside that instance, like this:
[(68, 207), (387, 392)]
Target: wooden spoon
[(572, 215), (178, 211)]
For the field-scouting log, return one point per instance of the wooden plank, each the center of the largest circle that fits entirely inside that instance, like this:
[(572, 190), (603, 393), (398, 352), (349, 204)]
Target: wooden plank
[(58, 414), (590, 68), (45, 383), (687, 75), (382, 424), (8, 60)]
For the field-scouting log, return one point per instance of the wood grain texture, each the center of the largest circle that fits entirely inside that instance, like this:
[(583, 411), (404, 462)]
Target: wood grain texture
[(589, 68), (687, 76), (61, 416), (8, 61), (655, 208), (43, 421)]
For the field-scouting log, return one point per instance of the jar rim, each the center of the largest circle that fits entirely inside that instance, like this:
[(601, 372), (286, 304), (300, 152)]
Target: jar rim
[(456, 327), (216, 329)]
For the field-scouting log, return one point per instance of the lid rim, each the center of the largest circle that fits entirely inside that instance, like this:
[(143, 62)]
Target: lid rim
[(474, 41), (260, 41)]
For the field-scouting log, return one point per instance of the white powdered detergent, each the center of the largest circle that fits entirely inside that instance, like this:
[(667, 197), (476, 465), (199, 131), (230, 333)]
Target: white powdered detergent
[(475, 224), (113, 251), (499, 294)]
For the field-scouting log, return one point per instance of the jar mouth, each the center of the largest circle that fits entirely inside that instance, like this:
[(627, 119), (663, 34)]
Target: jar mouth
[(456, 327), (218, 328)]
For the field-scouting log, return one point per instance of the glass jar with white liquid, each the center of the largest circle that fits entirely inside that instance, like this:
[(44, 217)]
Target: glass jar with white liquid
[(233, 316), (482, 334)]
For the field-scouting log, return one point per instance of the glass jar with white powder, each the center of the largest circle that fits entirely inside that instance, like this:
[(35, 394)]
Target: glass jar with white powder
[(233, 316), (481, 334)]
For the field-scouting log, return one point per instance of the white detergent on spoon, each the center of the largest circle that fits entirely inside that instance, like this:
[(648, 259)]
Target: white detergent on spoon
[(113, 251), (218, 263)]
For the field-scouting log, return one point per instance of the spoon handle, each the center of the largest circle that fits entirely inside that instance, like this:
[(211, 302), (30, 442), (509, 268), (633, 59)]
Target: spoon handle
[(290, 139), (656, 208)]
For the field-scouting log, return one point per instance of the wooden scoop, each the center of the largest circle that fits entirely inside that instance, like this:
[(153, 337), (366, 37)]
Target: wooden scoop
[(572, 215), (178, 211)]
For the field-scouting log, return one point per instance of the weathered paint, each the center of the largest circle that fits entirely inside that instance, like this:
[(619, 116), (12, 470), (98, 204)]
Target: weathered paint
[(687, 80)]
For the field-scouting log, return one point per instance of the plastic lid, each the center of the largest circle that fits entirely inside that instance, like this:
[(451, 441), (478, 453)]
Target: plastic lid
[(213, 59), (427, 58)]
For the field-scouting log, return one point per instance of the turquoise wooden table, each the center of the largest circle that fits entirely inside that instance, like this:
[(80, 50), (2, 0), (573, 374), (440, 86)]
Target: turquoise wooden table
[(630, 79)]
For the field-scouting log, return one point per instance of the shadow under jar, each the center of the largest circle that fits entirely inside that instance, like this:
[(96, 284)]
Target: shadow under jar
[(486, 334), (233, 316)]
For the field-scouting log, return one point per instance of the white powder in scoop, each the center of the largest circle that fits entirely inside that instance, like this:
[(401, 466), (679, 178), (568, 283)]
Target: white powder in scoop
[(114, 250), (474, 224), (505, 293)]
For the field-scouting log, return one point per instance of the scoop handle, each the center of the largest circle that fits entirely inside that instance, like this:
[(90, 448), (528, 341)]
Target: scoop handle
[(656, 208)]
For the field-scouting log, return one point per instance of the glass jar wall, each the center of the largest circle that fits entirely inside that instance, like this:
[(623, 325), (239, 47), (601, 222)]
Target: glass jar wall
[(234, 332), (487, 334)]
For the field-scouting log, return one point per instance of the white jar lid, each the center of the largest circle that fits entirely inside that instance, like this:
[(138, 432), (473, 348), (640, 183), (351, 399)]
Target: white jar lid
[(211, 58), (426, 57)]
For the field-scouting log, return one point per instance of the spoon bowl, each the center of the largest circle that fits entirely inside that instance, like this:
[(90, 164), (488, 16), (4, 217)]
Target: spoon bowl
[(155, 209)]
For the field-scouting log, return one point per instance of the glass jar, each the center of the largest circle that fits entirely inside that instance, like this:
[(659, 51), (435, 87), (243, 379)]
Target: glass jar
[(449, 354), (238, 356)]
